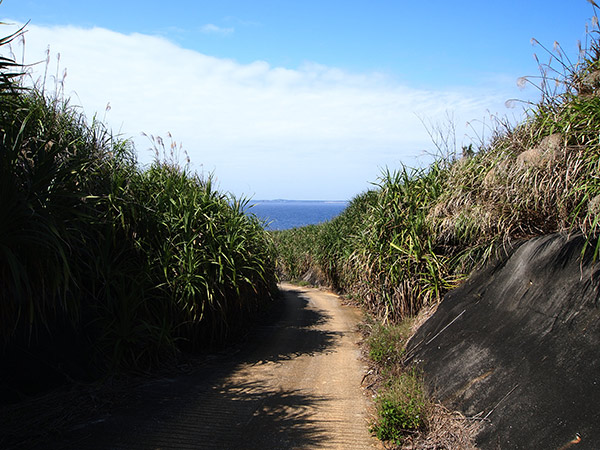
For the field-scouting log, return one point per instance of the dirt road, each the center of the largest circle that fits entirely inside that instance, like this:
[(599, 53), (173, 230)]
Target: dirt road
[(294, 385)]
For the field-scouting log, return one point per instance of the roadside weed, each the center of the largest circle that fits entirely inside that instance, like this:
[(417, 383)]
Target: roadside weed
[(386, 342), (402, 408)]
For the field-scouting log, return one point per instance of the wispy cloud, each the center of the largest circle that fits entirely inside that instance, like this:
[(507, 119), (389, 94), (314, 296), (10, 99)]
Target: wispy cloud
[(312, 132), (209, 28)]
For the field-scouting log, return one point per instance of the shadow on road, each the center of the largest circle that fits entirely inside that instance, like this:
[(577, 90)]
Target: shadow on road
[(236, 416), (300, 330), (207, 408)]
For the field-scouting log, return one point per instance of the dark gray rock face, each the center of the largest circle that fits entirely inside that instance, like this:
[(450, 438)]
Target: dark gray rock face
[(519, 345)]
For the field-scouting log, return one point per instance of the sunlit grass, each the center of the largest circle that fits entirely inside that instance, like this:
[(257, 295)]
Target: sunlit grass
[(421, 231)]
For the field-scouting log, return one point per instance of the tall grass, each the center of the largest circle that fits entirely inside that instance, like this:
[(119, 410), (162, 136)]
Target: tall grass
[(381, 249), (422, 231), (322, 249), (123, 265)]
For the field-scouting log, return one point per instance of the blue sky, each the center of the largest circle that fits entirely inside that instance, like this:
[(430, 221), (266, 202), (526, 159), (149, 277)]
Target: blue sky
[(297, 99)]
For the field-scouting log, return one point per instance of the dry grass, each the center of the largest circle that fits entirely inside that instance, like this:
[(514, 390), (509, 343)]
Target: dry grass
[(446, 430)]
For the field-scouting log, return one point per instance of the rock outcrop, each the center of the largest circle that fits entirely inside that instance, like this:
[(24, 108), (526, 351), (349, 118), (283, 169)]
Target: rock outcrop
[(517, 347)]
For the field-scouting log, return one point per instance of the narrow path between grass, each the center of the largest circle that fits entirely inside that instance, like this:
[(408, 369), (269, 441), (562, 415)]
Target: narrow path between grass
[(295, 384)]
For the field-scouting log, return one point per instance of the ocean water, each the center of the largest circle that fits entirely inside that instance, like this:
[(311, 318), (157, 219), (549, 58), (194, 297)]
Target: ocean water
[(285, 214)]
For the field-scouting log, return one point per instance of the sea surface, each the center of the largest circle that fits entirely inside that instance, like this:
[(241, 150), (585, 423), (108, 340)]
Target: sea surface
[(285, 214)]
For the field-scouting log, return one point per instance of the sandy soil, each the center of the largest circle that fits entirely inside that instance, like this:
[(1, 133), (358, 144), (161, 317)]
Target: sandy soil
[(295, 384)]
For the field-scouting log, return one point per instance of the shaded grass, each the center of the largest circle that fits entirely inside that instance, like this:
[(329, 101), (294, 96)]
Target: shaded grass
[(105, 265)]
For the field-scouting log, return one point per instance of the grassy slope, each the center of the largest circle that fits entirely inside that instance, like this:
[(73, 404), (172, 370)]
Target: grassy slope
[(401, 246), (404, 244)]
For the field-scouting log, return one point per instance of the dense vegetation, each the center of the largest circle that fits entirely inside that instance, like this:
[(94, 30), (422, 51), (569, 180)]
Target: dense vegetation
[(401, 246), (105, 265), (421, 231)]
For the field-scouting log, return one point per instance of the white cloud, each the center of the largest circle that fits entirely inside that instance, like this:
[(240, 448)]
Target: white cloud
[(307, 132), (209, 28)]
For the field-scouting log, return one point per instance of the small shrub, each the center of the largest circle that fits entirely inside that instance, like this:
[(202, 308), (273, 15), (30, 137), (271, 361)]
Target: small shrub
[(402, 408), (386, 343)]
